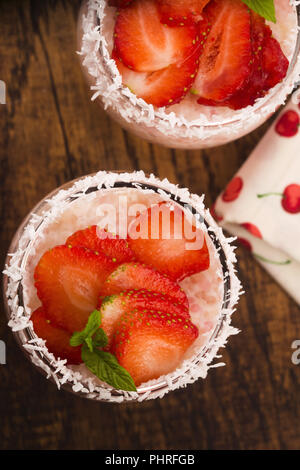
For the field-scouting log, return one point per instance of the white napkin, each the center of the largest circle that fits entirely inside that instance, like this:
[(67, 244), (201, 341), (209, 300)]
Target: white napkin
[(261, 204)]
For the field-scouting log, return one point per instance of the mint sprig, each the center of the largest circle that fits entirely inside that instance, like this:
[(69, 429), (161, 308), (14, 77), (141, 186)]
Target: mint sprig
[(264, 8), (102, 364)]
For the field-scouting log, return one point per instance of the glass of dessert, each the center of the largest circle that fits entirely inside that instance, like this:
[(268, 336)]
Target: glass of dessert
[(190, 74), (121, 287)]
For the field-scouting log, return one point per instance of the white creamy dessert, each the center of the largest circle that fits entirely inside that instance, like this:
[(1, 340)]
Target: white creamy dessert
[(205, 290), (186, 124)]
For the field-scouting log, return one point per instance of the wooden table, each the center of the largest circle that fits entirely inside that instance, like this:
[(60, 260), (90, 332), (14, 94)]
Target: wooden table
[(50, 133)]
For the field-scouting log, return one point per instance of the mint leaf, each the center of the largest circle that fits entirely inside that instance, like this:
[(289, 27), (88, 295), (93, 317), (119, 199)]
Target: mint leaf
[(106, 367), (100, 339), (264, 8), (94, 321)]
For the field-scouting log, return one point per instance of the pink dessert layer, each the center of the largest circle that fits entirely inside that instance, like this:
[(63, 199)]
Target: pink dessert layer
[(204, 290), (284, 30)]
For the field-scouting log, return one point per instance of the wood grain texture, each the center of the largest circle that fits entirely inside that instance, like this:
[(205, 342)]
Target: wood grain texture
[(50, 132)]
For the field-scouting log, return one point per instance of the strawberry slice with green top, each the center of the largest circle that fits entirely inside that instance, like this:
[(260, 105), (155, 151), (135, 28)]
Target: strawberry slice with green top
[(143, 44), (164, 87), (225, 63), (164, 238), (129, 276), (149, 344), (114, 306), (68, 283), (180, 12), (97, 240), (57, 339)]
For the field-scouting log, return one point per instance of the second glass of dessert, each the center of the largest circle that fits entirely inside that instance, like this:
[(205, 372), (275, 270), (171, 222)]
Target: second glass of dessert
[(190, 74), (121, 287)]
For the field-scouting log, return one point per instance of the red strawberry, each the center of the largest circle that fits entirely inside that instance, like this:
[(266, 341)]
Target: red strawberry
[(119, 3), (116, 305), (268, 67), (68, 282), (130, 276), (142, 43), (288, 124), (57, 339), (168, 242), (225, 61), (164, 87), (100, 240), (180, 12), (245, 243), (150, 344)]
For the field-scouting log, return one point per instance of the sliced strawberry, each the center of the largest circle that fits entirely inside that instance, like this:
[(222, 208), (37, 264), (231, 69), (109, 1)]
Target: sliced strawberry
[(143, 44), (130, 276), (164, 87), (268, 67), (68, 282), (114, 306), (57, 339), (119, 3), (97, 239), (180, 12), (163, 237), (150, 344), (225, 61)]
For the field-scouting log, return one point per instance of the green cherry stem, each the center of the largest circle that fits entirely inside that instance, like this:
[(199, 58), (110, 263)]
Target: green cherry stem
[(270, 194), (279, 263)]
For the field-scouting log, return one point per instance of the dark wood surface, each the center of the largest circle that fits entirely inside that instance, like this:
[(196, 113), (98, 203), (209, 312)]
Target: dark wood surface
[(50, 132)]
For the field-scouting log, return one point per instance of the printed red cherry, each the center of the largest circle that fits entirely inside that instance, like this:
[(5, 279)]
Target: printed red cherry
[(290, 198), (288, 124), (233, 189), (252, 229)]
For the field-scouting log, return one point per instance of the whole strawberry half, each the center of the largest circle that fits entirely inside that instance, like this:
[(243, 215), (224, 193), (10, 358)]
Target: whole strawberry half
[(97, 240), (225, 62), (149, 344), (143, 44), (180, 12), (164, 238), (57, 339), (68, 283), (129, 276), (114, 306)]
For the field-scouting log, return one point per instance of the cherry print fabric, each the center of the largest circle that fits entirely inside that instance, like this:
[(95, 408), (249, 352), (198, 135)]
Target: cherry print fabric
[(261, 204)]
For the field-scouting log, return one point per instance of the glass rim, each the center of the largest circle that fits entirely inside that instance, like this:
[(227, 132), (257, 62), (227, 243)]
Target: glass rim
[(27, 334), (263, 102)]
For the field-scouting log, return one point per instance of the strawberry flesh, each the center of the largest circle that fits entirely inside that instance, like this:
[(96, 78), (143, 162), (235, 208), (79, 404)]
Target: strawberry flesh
[(68, 282), (225, 61), (130, 276), (143, 44), (114, 306), (165, 239), (268, 67), (149, 344), (57, 339), (180, 12), (163, 87), (97, 239)]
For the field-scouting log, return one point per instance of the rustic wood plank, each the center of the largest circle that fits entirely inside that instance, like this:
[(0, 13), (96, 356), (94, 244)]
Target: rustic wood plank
[(50, 133)]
